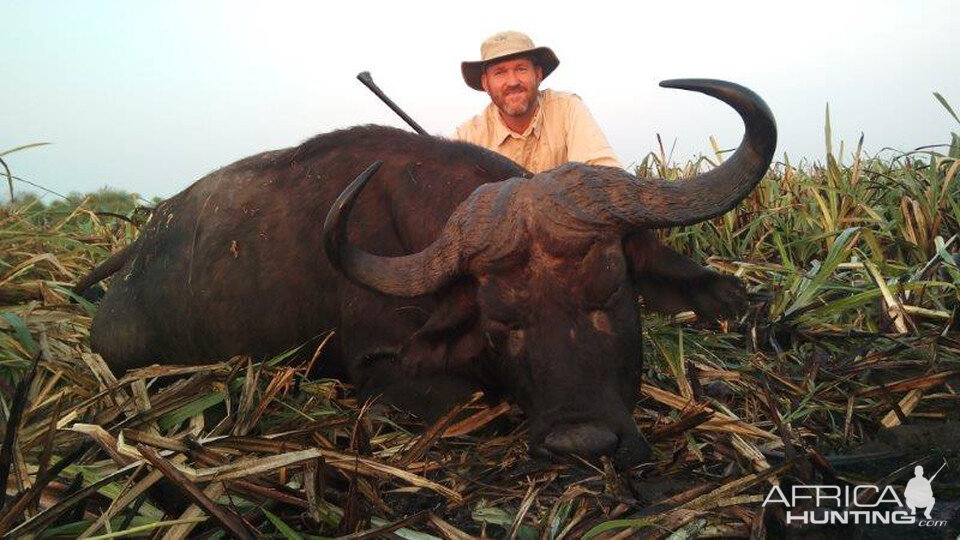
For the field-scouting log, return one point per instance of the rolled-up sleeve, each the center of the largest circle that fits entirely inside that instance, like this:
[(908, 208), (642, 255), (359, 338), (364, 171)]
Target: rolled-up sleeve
[(586, 143)]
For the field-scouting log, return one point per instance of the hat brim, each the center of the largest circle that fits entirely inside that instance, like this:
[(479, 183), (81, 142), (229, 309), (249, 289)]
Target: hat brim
[(543, 56)]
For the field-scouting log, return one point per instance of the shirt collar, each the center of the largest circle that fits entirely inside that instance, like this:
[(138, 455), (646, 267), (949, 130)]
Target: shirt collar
[(502, 132)]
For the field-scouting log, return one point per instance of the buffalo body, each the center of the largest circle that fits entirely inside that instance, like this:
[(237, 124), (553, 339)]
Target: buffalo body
[(447, 270)]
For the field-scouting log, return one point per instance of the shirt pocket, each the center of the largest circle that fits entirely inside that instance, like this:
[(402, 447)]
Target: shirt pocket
[(552, 152)]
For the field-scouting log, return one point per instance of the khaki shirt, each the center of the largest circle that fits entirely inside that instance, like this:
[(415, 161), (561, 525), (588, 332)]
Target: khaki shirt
[(562, 130)]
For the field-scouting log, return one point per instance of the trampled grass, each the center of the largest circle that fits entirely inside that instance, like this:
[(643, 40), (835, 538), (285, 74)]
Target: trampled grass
[(853, 272)]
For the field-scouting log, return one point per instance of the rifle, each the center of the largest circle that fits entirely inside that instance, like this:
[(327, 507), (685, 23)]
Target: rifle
[(938, 470), (367, 80)]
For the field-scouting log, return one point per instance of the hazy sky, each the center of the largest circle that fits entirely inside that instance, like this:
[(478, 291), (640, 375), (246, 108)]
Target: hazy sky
[(150, 96)]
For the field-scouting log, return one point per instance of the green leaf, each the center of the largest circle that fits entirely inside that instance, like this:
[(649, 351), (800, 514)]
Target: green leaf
[(74, 529), (175, 417), (949, 260), (22, 147), (282, 527), (826, 131), (945, 255), (617, 524), (563, 514), (946, 105), (22, 332), (83, 302), (526, 532), (112, 490), (493, 516), (837, 253), (283, 356), (148, 527)]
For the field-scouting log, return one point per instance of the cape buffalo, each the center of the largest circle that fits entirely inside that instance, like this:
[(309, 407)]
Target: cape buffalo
[(454, 269)]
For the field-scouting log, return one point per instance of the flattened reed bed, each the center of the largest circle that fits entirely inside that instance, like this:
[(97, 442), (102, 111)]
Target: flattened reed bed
[(848, 356)]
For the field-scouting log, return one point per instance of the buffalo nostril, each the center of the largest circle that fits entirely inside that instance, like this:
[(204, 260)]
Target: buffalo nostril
[(581, 439)]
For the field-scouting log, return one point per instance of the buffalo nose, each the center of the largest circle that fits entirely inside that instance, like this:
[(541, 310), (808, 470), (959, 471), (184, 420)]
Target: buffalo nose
[(585, 440)]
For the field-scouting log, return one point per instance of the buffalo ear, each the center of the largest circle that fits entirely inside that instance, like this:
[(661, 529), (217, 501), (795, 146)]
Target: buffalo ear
[(671, 283), (449, 337)]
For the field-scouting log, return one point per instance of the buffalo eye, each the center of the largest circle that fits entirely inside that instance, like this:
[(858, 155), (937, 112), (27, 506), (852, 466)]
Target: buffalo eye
[(510, 335), (603, 279)]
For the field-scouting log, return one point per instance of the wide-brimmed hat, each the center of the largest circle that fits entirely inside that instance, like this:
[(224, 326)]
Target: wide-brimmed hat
[(505, 46)]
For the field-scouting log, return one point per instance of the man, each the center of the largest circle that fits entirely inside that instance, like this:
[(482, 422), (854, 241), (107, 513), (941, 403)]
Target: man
[(538, 129), (918, 492)]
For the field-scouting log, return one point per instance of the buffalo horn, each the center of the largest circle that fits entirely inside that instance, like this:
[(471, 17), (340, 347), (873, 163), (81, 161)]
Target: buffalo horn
[(655, 203), (409, 275)]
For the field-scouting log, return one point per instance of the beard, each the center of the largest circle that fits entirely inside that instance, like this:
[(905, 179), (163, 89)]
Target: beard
[(516, 100)]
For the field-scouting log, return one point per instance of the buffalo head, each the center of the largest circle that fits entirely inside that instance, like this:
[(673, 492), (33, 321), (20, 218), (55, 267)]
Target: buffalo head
[(537, 280)]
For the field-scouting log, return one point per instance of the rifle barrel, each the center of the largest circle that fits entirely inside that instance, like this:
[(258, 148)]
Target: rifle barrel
[(938, 470), (367, 80)]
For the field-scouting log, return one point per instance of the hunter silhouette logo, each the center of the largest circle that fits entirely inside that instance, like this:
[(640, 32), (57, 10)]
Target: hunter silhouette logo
[(919, 493)]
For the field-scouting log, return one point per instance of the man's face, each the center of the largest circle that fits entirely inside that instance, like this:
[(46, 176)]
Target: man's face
[(513, 85)]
